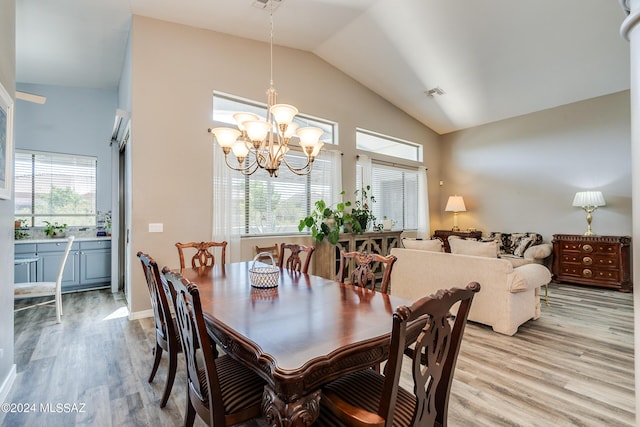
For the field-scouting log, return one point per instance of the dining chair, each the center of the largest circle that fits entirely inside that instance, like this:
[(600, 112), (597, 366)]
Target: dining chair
[(274, 250), (166, 330), (203, 255), (363, 273), (45, 289), (294, 262), (220, 390), (428, 333)]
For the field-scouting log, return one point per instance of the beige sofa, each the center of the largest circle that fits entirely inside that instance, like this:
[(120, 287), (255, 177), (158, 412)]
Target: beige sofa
[(508, 296)]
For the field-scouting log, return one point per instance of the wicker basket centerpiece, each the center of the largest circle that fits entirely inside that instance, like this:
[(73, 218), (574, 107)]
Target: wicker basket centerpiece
[(264, 276)]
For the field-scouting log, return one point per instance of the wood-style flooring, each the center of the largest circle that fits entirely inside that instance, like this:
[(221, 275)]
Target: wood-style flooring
[(572, 367)]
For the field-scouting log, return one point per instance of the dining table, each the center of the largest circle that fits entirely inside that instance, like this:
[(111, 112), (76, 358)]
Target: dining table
[(298, 335)]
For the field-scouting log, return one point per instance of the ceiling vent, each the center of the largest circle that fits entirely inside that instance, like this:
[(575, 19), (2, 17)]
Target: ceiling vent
[(435, 91), (267, 4)]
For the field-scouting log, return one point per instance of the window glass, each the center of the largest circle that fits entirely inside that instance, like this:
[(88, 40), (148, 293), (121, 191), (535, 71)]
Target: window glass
[(56, 188), (266, 205), (396, 193), (388, 146)]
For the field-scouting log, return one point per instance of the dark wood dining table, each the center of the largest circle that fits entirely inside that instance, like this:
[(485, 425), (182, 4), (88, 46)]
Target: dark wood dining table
[(298, 336)]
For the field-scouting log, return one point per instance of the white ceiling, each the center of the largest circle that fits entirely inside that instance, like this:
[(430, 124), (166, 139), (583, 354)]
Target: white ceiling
[(495, 59)]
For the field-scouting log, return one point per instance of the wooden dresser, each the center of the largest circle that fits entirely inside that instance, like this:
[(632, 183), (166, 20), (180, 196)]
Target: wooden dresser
[(444, 236), (593, 260)]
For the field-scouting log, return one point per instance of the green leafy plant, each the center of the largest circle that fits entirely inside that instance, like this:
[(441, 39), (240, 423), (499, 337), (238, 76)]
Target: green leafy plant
[(54, 229), (362, 213), (326, 221)]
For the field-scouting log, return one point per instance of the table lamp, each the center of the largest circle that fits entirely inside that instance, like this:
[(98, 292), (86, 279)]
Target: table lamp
[(589, 201), (455, 204)]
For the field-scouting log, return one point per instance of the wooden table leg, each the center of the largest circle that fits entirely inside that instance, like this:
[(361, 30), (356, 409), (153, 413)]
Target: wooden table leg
[(299, 413)]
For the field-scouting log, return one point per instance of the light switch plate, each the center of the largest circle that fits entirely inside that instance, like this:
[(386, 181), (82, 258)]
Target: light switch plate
[(156, 228)]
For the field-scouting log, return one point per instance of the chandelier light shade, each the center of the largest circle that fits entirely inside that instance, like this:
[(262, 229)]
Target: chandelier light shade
[(455, 204), (260, 143), (589, 201)]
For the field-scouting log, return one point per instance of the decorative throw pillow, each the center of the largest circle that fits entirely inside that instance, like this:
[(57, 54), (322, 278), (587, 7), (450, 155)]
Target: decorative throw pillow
[(473, 247), (501, 240), (433, 245), (522, 246)]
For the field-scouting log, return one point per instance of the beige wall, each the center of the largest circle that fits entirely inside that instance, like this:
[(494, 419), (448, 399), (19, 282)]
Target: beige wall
[(174, 72), (521, 174), (8, 80)]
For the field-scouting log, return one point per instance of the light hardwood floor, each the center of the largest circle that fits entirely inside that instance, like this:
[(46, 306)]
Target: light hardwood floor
[(572, 367)]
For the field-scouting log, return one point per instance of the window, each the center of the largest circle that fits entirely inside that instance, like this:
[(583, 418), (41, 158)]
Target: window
[(56, 188), (396, 193), (388, 146), (264, 205), (396, 187)]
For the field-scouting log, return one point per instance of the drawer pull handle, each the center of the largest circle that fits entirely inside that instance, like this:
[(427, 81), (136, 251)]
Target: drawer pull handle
[(587, 273), (587, 260), (587, 248)]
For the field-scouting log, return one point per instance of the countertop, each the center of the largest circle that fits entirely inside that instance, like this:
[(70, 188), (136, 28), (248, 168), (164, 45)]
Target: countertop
[(51, 239)]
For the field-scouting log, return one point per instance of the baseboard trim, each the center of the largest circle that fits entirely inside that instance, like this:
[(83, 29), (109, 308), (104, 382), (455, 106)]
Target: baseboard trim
[(6, 388), (141, 314)]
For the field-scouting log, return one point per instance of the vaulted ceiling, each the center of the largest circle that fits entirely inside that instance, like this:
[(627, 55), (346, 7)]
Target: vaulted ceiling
[(493, 59)]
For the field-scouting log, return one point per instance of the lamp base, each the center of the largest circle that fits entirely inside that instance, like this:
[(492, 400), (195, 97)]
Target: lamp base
[(455, 228), (589, 233)]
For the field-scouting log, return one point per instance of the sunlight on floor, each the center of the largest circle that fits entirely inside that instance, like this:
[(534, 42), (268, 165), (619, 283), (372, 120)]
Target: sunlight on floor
[(121, 312)]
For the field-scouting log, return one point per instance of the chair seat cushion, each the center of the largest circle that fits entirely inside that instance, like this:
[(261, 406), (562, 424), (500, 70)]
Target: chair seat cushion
[(363, 389), (241, 388), (34, 289)]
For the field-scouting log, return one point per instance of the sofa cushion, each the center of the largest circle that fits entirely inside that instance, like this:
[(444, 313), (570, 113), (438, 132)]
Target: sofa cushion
[(473, 247), (540, 251), (433, 245), (499, 238)]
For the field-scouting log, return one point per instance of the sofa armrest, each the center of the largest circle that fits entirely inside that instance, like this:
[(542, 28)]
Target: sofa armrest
[(539, 252), (529, 277)]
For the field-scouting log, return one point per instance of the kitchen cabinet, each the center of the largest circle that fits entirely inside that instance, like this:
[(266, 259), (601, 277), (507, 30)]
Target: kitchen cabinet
[(88, 265)]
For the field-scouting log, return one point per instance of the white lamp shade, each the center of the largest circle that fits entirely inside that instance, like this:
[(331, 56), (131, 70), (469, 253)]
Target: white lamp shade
[(257, 129), (240, 149), (316, 149), (291, 130), (283, 113), (585, 199), (225, 136), (240, 118), (309, 136), (455, 204)]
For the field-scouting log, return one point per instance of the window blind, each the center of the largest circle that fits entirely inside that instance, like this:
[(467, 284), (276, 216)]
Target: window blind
[(55, 187)]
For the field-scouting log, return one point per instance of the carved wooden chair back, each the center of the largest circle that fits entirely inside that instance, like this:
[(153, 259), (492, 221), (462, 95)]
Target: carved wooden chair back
[(203, 256), (363, 273), (240, 399), (273, 250), (431, 336), (166, 333), (293, 262)]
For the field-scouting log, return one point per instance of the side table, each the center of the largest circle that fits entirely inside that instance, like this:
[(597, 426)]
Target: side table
[(593, 260), (444, 236)]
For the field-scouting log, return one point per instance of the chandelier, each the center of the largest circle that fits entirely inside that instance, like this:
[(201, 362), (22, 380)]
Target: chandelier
[(263, 143)]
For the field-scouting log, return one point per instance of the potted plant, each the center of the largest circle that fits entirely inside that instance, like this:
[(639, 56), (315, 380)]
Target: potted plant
[(54, 229), (362, 213), (326, 221)]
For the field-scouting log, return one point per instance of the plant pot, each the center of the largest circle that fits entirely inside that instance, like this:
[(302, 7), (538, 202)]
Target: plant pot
[(387, 224)]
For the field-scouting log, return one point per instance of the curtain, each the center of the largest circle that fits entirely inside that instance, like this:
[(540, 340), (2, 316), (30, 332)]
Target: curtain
[(223, 226), (424, 230)]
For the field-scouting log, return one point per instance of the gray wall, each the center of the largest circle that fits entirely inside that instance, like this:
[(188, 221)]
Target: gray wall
[(521, 174), (8, 80), (72, 121)]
